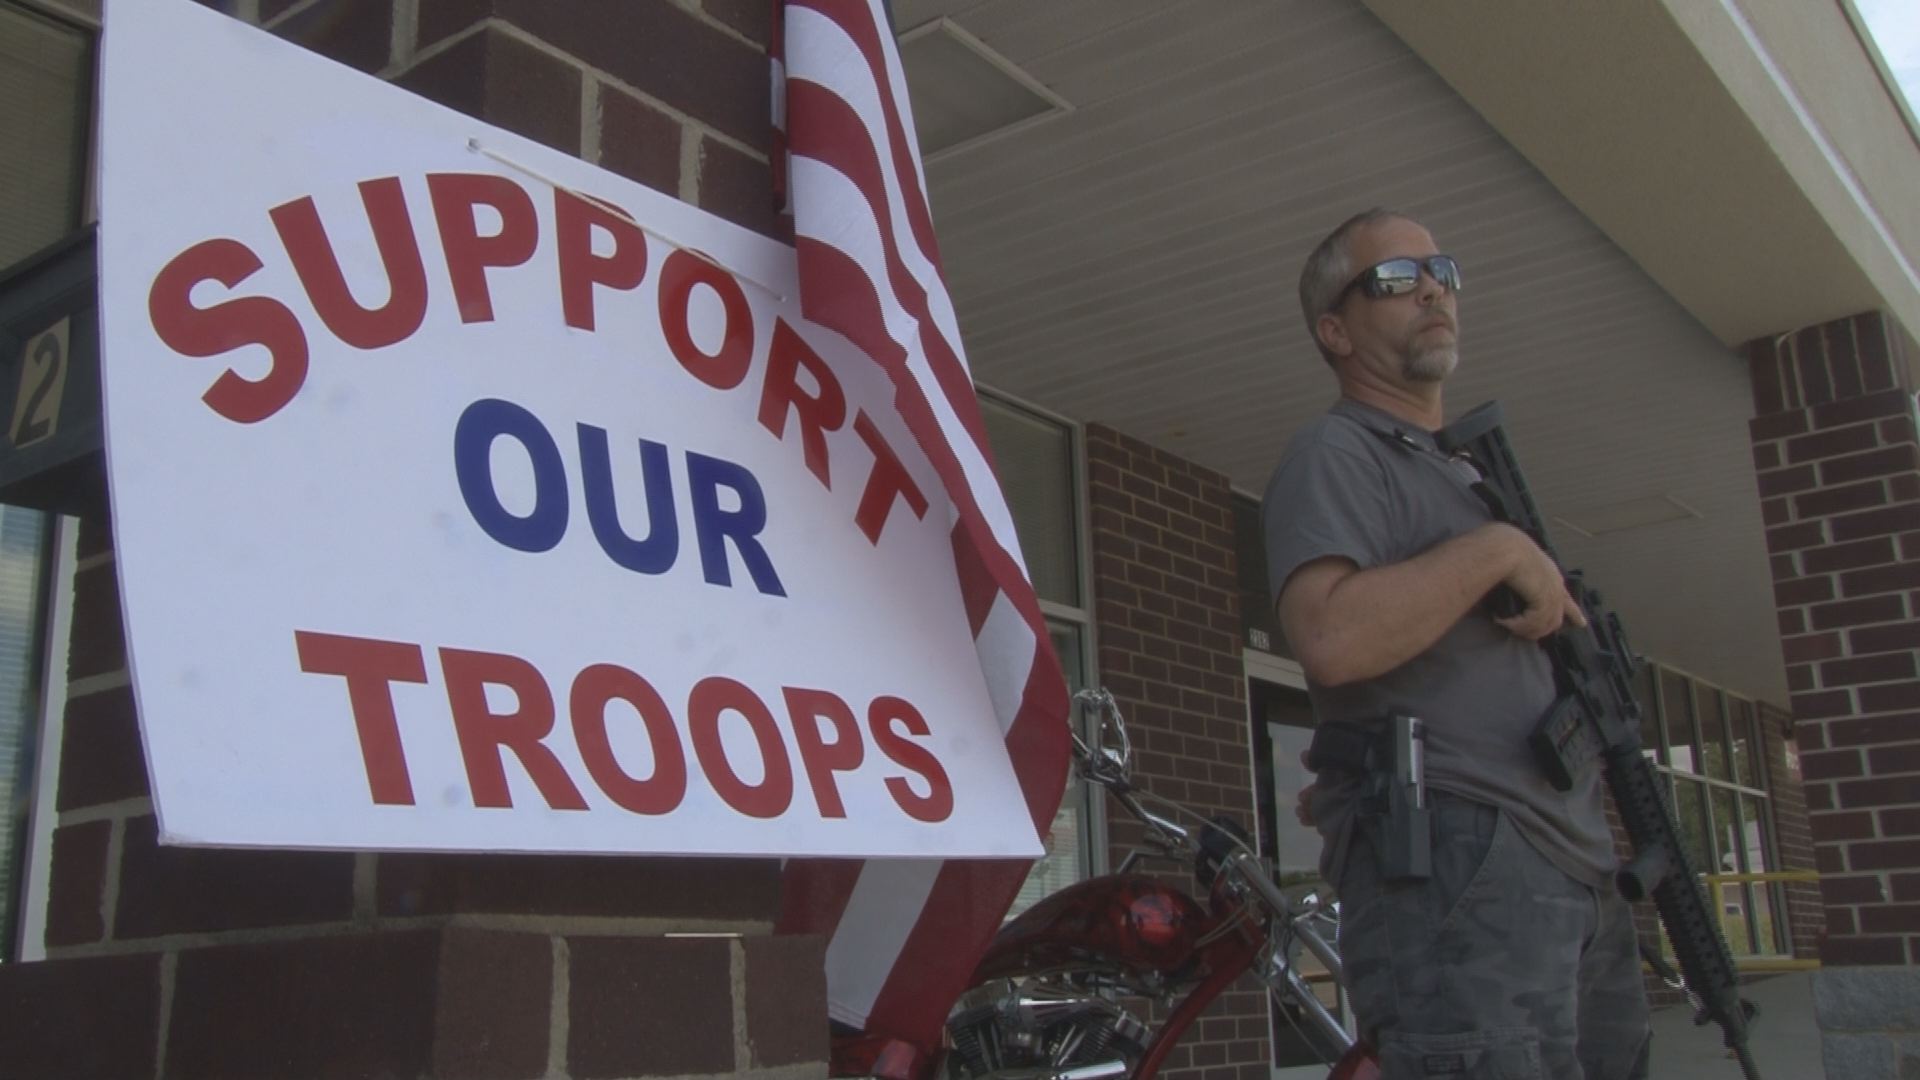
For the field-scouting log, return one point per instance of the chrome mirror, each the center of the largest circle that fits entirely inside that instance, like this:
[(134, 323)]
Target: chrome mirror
[(1105, 756)]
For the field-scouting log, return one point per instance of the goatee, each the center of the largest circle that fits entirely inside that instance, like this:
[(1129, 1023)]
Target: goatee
[(1432, 364)]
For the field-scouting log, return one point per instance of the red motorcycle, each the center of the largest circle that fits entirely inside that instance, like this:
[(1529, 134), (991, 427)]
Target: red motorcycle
[(1048, 1000)]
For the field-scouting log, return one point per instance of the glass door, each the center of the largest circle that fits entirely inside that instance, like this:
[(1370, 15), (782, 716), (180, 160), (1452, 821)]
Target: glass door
[(1282, 722)]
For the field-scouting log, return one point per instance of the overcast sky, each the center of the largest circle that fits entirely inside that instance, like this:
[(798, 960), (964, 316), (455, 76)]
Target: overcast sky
[(1896, 28)]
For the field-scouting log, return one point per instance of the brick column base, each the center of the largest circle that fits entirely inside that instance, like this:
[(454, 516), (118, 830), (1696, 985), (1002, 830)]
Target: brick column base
[(431, 1002), (1869, 1022)]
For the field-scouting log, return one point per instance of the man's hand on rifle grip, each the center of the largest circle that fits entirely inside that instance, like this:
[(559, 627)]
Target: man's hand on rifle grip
[(1541, 587)]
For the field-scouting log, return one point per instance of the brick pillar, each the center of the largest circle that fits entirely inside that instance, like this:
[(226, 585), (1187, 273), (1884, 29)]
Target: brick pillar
[(1167, 616), (178, 962), (1838, 460)]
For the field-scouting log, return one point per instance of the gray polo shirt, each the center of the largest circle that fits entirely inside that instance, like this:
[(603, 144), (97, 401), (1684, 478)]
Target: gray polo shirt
[(1344, 490)]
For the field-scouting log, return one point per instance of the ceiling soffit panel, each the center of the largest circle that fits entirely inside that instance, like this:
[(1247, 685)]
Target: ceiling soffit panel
[(1703, 135), (1135, 262), (965, 94)]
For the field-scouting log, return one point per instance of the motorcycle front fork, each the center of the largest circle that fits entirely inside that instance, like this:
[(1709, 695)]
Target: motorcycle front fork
[(1281, 973)]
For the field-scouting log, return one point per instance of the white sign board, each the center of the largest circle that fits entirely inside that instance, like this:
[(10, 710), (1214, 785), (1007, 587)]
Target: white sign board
[(460, 503)]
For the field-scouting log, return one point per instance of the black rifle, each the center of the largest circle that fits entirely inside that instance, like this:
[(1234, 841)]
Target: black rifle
[(1596, 716)]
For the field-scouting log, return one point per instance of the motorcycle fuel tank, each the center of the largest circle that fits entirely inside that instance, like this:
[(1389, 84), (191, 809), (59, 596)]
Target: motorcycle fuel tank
[(1133, 921)]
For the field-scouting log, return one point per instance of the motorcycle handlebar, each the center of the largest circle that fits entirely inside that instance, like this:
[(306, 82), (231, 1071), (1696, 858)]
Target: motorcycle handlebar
[(1218, 848), (1167, 827), (1228, 852)]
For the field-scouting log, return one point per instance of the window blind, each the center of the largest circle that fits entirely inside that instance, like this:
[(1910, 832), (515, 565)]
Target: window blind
[(44, 78), (22, 569)]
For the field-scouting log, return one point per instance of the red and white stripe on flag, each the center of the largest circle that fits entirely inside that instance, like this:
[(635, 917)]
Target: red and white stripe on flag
[(904, 935)]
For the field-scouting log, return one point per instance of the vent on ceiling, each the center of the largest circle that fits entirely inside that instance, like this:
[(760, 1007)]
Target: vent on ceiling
[(1631, 514), (965, 94)]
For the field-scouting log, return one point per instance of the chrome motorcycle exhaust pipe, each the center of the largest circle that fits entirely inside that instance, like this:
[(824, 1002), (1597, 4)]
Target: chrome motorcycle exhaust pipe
[(1098, 1071)]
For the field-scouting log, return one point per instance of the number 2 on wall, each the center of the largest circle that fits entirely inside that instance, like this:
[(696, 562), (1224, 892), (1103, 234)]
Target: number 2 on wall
[(43, 379)]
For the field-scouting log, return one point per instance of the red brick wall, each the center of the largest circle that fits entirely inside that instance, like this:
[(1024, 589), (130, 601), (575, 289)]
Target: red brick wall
[(674, 94), (187, 962), (1838, 462), (1167, 619)]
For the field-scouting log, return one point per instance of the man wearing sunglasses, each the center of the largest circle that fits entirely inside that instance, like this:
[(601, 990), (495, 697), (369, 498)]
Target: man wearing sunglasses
[(1510, 955)]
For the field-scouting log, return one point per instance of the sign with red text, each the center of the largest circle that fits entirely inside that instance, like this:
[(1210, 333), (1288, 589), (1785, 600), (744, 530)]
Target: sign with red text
[(467, 497)]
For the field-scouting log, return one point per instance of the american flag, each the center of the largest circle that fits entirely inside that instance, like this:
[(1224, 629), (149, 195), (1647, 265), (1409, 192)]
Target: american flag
[(904, 935)]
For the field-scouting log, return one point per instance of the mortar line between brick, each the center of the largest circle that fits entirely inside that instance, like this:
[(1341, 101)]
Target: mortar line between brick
[(366, 886), (406, 33), (538, 924), (169, 965), (694, 8), (679, 116), (590, 119), (113, 811), (1790, 383), (91, 561), (559, 1030), (421, 56), (94, 684), (293, 11), (690, 159), (802, 1071), (110, 882), (737, 974)]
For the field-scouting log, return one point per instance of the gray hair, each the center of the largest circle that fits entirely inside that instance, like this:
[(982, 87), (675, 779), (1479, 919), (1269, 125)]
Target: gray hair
[(1329, 269)]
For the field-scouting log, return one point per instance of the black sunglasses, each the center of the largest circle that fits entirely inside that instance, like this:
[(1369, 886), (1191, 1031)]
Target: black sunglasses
[(1397, 276)]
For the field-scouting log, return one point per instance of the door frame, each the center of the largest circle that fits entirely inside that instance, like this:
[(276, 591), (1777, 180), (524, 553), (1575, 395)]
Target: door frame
[(1267, 667)]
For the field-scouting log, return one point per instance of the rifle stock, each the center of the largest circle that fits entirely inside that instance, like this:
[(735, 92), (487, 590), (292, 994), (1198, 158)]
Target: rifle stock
[(1597, 716)]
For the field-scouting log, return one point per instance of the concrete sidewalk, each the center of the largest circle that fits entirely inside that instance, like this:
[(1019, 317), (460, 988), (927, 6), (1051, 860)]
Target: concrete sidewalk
[(1784, 1037)]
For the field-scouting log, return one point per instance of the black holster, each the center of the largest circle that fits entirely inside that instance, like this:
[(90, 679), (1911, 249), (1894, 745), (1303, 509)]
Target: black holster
[(1392, 767)]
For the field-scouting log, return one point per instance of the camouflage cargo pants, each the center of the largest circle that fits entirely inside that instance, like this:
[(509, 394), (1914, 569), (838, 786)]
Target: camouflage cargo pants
[(1499, 967)]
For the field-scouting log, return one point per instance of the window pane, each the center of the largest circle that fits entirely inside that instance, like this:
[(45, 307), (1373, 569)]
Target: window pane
[(44, 75), (1689, 808), (1736, 917), (1729, 849), (1713, 732), (1296, 846), (1689, 812), (1769, 930), (1034, 459), (1747, 744), (1651, 743), (22, 546), (1677, 710), (1727, 845), (1755, 830), (1066, 840)]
